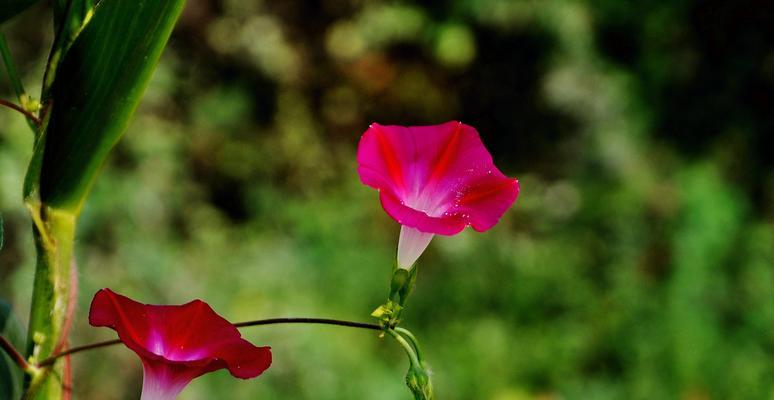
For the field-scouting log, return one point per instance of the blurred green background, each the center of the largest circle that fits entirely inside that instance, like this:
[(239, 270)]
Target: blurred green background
[(637, 263)]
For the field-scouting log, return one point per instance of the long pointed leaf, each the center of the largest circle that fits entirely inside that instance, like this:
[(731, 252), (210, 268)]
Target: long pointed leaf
[(96, 90)]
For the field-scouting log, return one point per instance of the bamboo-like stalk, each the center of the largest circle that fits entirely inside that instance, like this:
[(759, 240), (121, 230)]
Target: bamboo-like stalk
[(54, 232)]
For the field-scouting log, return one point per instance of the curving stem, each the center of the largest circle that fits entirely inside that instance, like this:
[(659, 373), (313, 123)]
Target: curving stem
[(418, 377)]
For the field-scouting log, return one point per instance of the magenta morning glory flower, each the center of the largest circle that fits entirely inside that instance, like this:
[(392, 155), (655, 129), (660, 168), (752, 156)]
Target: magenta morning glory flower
[(434, 179), (177, 343)]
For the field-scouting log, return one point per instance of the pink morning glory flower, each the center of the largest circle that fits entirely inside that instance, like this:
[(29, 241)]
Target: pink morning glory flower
[(434, 179), (177, 343)]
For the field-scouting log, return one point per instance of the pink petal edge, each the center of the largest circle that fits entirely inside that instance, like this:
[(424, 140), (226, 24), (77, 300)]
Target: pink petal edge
[(437, 179)]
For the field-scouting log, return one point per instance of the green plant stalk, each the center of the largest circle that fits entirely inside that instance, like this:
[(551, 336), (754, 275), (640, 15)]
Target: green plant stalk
[(54, 232)]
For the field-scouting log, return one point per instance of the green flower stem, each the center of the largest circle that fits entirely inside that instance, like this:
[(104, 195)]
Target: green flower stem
[(270, 321), (54, 231), (30, 116), (417, 377), (412, 339), (304, 320), (15, 356), (410, 352)]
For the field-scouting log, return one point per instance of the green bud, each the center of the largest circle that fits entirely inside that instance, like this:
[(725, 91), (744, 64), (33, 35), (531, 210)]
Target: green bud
[(418, 381)]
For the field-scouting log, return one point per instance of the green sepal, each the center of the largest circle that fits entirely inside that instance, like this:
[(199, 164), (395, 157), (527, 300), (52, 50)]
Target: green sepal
[(419, 383), (387, 313), (401, 285)]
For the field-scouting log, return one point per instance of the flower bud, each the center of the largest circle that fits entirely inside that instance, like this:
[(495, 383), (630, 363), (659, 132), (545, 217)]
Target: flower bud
[(418, 381)]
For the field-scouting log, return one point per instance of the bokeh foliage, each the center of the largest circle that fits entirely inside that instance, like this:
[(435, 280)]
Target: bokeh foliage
[(638, 262)]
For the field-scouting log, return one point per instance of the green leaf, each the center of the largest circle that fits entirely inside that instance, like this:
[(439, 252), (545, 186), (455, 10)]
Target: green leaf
[(10, 375), (59, 10), (70, 16), (11, 8), (97, 88)]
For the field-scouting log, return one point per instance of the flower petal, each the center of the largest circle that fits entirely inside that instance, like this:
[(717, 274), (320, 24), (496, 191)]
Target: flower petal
[(485, 200), (407, 216), (178, 343), (437, 179)]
